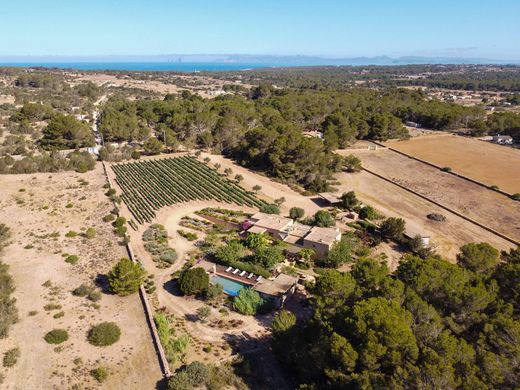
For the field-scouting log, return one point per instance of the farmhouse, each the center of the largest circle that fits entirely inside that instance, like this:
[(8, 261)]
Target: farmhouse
[(295, 233), (502, 139)]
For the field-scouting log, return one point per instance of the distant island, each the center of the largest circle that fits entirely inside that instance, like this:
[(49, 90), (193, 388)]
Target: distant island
[(223, 62)]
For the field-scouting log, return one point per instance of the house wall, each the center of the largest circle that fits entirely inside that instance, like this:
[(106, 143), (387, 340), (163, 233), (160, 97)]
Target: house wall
[(321, 249)]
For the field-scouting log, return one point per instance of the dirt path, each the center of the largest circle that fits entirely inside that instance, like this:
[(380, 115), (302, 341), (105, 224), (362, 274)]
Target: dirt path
[(181, 306)]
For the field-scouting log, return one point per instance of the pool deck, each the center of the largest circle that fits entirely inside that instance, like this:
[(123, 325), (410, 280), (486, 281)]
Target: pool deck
[(220, 270)]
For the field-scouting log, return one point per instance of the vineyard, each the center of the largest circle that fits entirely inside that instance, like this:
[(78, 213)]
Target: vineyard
[(149, 185)]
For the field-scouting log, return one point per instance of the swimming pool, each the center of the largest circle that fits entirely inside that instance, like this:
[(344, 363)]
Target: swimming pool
[(231, 287)]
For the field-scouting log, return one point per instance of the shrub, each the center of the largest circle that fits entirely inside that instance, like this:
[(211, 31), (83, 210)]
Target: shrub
[(368, 212), (71, 234), (72, 259), (94, 296), (248, 301), (104, 334), (194, 281), (270, 209), (198, 373), (56, 336), (168, 256), (163, 328), (187, 235), (90, 233), (180, 381), (100, 374), (203, 312), (323, 218), (446, 169), (516, 196), (109, 218), (436, 217), (82, 290), (393, 228), (69, 205), (296, 213), (126, 277), (11, 357), (58, 314)]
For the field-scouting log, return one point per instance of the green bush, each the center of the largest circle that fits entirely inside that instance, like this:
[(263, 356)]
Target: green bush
[(194, 281), (270, 209), (56, 336), (100, 374), (104, 334), (109, 218), (248, 301), (90, 233), (83, 290), (71, 234), (11, 357), (72, 259)]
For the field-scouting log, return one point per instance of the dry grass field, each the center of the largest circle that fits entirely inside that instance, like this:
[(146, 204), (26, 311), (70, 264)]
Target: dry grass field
[(482, 161), (393, 201), (40, 210), (481, 204)]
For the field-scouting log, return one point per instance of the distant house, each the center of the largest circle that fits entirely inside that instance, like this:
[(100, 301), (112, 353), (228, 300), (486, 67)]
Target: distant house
[(413, 231), (412, 124), (502, 139), (330, 199), (294, 233), (93, 150)]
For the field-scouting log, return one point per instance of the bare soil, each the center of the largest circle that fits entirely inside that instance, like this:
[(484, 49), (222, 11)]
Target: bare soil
[(34, 206), (483, 161)]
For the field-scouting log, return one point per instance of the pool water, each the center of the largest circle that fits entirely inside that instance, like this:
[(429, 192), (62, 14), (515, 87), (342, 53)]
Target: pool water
[(231, 287)]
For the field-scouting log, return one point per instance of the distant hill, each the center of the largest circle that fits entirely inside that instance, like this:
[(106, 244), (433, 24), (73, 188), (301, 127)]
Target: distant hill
[(268, 60)]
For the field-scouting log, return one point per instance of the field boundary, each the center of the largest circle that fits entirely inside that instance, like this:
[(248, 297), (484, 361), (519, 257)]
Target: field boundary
[(498, 190), (163, 362), (485, 227)]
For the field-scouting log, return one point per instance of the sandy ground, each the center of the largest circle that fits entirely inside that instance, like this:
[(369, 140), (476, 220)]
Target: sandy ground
[(483, 161), (393, 201), (204, 86), (35, 258), (271, 190)]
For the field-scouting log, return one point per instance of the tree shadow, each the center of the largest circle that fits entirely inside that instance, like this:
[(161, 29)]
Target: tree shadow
[(101, 281), (162, 384), (257, 365), (320, 202), (172, 287)]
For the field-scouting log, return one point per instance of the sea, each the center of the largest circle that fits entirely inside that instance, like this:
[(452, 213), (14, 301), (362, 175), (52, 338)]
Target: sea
[(147, 66)]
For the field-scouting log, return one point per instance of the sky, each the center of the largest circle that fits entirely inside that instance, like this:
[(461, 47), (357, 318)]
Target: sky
[(330, 28)]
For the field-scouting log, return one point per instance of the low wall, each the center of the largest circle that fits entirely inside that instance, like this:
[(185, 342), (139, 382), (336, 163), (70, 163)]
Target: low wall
[(450, 172), (485, 227), (148, 311)]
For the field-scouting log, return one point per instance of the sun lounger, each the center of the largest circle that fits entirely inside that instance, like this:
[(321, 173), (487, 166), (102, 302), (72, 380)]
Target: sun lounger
[(242, 273), (251, 275), (259, 278), (235, 271), (229, 269)]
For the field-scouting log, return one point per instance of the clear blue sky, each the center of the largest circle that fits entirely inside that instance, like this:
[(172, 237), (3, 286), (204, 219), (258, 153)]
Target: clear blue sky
[(469, 28)]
